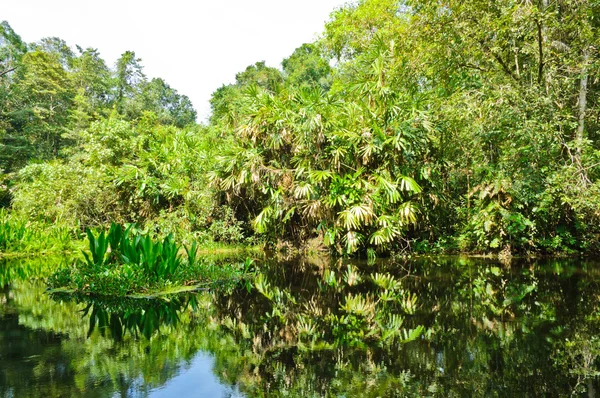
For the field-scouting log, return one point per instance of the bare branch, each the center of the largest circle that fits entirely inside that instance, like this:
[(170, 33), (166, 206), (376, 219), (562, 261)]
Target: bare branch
[(503, 64), (7, 71)]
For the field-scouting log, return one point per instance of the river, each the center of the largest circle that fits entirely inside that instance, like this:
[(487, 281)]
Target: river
[(439, 326)]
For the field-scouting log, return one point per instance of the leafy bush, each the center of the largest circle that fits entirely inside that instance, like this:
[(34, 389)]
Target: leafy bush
[(337, 164), (72, 194)]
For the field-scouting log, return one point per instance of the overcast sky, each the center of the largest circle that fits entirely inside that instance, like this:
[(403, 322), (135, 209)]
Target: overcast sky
[(196, 46)]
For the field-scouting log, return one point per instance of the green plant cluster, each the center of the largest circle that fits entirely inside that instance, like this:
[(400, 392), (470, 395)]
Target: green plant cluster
[(21, 237), (83, 145), (145, 173), (125, 261)]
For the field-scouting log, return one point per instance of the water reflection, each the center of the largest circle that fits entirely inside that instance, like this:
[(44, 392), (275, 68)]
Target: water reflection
[(28, 268), (428, 327), (489, 329), (57, 346), (114, 317)]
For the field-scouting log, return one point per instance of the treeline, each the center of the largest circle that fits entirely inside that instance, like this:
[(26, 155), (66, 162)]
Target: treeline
[(409, 125), (83, 144), (50, 92)]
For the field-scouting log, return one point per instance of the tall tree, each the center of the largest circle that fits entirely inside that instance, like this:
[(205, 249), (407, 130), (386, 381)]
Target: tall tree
[(224, 101), (307, 67), (170, 106), (91, 80), (128, 77), (12, 49)]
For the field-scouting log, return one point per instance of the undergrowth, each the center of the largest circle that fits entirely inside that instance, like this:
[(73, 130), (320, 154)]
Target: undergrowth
[(21, 237)]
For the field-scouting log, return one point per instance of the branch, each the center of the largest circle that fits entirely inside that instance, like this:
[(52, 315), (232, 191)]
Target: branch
[(496, 56), (7, 71), (500, 61), (504, 66), (472, 66)]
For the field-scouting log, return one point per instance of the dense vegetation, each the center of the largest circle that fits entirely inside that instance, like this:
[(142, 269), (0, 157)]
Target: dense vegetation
[(409, 125)]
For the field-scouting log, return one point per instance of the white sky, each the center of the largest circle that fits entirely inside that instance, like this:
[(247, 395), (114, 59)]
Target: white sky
[(195, 46)]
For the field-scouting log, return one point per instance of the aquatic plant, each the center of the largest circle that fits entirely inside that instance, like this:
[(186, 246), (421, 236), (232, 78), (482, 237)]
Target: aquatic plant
[(98, 247), (11, 232), (157, 259), (21, 237), (125, 261)]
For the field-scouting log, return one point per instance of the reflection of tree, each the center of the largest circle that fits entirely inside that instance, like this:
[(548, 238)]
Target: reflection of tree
[(118, 316), (491, 330), (26, 268), (312, 330), (69, 358), (494, 329)]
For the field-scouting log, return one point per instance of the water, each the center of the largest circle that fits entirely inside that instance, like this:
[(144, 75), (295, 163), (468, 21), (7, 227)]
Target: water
[(430, 327)]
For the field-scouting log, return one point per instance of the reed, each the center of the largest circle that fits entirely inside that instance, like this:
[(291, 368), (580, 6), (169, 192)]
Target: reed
[(23, 238)]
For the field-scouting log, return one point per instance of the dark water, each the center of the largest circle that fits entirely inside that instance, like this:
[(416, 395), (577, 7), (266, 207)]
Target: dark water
[(447, 327)]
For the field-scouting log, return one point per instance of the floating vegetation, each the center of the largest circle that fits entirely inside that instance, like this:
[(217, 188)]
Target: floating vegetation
[(126, 262)]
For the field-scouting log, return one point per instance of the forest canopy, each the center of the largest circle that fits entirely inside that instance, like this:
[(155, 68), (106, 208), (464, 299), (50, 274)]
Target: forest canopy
[(407, 126)]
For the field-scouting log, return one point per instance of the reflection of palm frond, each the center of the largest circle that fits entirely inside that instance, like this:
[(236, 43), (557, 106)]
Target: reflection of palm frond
[(359, 305)]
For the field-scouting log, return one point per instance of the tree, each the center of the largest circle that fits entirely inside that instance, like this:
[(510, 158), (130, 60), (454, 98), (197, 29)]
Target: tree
[(12, 49), (59, 48), (91, 80), (224, 101), (128, 77), (334, 165), (170, 106), (261, 75), (41, 97), (307, 67)]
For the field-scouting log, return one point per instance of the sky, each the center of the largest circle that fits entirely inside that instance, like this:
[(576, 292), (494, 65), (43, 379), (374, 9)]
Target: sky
[(195, 46)]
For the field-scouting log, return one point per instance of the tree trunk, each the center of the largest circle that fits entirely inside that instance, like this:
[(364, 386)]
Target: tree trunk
[(582, 102), (582, 108)]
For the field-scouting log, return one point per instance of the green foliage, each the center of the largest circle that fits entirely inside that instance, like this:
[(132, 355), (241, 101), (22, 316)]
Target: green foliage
[(50, 93), (226, 99), (11, 232), (145, 173), (125, 261), (477, 149), (98, 247), (69, 194), (337, 163), (21, 237), (410, 125), (306, 67)]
